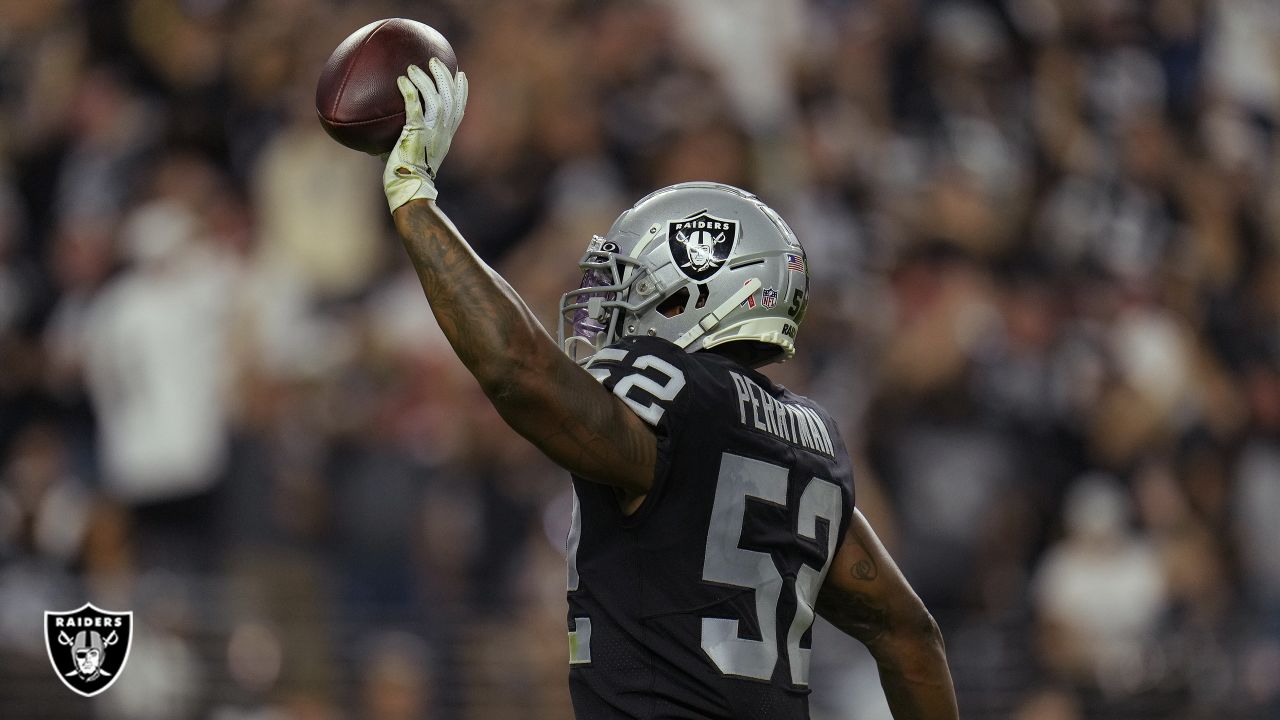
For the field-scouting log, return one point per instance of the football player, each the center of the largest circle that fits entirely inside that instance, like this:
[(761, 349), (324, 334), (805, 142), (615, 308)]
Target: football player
[(713, 510)]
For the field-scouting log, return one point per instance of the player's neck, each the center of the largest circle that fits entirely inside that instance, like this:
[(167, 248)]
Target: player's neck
[(750, 355)]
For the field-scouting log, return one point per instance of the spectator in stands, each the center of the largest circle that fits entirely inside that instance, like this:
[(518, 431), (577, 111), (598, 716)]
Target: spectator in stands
[(1100, 592)]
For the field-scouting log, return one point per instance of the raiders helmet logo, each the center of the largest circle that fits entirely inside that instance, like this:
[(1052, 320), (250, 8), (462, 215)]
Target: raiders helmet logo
[(88, 647), (701, 243)]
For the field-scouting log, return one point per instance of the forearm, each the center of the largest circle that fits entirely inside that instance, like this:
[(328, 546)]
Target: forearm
[(867, 596), (536, 388), (915, 676), (909, 654), (490, 328)]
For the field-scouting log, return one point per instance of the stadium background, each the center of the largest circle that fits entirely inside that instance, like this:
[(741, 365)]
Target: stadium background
[(1046, 309)]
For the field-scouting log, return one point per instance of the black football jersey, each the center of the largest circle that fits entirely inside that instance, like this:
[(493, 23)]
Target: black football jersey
[(699, 603)]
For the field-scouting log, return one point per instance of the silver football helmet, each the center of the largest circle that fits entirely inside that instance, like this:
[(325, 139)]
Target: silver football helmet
[(699, 264)]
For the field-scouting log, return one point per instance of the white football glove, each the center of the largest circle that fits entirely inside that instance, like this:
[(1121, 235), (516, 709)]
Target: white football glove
[(429, 126)]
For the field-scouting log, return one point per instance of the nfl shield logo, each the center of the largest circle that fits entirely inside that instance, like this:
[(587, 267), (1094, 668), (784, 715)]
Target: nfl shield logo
[(769, 297), (701, 243), (88, 646)]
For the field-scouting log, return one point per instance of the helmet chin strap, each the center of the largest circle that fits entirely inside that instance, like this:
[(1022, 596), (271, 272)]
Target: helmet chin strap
[(714, 317), (573, 343)]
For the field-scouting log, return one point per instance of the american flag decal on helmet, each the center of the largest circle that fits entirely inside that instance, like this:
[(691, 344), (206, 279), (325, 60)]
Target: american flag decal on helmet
[(795, 262)]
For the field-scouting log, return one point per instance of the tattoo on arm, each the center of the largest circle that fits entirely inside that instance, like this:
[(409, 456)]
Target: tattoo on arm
[(538, 390), (867, 596), (585, 410), (462, 289), (850, 606)]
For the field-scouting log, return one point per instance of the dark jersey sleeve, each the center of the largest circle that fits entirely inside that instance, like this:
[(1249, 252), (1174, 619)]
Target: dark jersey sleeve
[(649, 375)]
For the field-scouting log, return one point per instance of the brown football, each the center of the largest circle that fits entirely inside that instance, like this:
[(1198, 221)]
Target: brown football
[(356, 97)]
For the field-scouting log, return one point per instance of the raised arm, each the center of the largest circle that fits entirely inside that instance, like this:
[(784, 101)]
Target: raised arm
[(536, 388), (866, 596)]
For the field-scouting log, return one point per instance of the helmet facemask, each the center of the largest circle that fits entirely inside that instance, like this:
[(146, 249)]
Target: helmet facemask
[(591, 315)]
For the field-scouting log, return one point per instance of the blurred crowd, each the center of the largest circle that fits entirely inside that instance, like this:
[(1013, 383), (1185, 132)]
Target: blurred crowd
[(1046, 309)]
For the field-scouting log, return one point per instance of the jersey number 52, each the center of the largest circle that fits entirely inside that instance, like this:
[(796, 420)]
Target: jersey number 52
[(726, 563)]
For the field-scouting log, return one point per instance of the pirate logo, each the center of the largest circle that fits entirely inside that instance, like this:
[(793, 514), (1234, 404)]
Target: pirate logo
[(88, 647), (701, 243)]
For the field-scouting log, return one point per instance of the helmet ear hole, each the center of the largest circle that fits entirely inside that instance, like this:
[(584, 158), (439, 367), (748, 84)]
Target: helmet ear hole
[(676, 304), (703, 294)]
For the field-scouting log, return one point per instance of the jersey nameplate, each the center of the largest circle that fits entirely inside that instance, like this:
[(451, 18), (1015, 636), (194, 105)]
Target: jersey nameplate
[(790, 422)]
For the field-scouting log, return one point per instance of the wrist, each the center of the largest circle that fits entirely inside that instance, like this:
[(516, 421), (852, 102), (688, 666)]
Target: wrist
[(412, 206), (402, 190)]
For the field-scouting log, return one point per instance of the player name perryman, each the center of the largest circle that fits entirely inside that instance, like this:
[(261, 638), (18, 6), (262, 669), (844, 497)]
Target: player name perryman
[(84, 622), (790, 422)]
